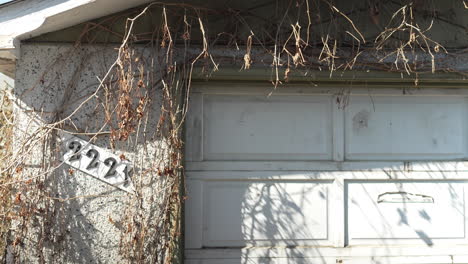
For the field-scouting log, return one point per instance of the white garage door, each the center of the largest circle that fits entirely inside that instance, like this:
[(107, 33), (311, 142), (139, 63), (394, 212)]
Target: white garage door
[(296, 178)]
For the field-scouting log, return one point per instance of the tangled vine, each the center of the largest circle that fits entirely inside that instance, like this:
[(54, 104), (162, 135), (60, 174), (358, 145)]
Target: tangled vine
[(139, 103)]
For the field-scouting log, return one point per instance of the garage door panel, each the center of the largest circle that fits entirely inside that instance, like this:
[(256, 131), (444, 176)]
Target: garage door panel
[(253, 127), (397, 210), (264, 212), (402, 128), (385, 176)]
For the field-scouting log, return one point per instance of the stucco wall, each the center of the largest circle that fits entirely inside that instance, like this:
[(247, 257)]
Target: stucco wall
[(81, 219)]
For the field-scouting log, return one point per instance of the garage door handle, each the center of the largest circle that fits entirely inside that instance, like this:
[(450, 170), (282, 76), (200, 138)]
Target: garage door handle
[(404, 197)]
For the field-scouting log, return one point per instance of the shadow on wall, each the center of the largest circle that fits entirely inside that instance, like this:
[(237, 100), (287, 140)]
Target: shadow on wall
[(285, 214), (293, 221)]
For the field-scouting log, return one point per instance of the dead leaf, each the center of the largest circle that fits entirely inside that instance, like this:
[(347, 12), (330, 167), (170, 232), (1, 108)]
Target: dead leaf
[(18, 198)]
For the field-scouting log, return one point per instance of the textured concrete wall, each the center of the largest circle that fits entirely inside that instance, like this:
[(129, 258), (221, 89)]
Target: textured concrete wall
[(80, 221)]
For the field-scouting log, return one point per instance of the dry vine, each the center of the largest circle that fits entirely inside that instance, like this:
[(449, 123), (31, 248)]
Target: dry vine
[(6, 124), (154, 70)]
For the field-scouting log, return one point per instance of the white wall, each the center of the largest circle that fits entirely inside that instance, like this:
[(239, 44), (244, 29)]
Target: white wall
[(5, 81)]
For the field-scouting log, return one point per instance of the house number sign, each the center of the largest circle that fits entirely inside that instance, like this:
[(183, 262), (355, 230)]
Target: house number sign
[(98, 162)]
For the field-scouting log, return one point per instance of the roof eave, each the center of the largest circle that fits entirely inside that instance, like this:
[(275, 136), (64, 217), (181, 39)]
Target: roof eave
[(27, 19)]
